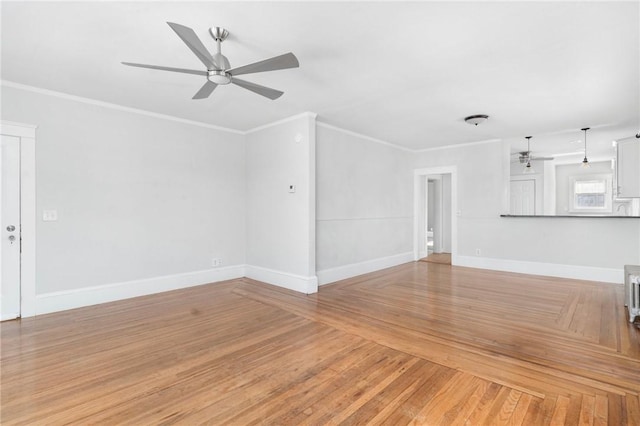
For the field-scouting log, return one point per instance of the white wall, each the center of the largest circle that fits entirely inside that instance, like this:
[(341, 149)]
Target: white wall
[(281, 225), (145, 203), (137, 197), (587, 248), (364, 204)]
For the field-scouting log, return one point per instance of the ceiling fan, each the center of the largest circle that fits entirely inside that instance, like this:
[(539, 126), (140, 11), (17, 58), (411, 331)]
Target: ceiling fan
[(526, 156), (218, 70)]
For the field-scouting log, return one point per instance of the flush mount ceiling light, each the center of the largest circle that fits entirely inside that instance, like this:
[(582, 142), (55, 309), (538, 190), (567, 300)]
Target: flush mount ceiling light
[(476, 119), (585, 162)]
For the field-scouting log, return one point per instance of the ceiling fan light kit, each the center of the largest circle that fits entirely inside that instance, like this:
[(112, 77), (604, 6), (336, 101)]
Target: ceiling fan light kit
[(218, 69), (585, 162), (528, 168), (476, 119)]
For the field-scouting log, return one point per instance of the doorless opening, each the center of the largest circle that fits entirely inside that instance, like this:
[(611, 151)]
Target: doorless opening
[(435, 207)]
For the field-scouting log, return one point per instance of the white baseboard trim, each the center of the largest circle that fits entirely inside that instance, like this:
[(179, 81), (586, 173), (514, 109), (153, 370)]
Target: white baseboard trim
[(5, 316), (300, 283), (70, 299), (590, 273), (327, 276)]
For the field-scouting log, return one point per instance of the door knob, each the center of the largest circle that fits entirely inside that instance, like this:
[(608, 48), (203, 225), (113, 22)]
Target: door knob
[(12, 238), (11, 228)]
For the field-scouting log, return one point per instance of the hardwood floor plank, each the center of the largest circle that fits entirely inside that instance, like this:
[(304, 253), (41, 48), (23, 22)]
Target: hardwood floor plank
[(517, 418), (601, 408), (616, 410), (633, 409), (484, 405), (560, 411), (419, 343), (587, 411), (459, 416)]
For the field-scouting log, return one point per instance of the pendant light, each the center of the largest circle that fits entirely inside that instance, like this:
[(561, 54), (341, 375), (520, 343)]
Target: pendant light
[(585, 162), (527, 167)]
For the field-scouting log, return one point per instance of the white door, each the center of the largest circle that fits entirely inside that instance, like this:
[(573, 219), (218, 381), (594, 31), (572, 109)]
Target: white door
[(10, 231), (523, 197)]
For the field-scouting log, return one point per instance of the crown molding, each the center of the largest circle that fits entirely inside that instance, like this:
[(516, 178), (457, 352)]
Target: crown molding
[(361, 136), (460, 145), (103, 104), (307, 114)]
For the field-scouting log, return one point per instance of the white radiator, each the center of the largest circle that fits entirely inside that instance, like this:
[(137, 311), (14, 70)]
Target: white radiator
[(632, 290)]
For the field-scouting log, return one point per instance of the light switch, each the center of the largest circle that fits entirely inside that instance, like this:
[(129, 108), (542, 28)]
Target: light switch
[(50, 215)]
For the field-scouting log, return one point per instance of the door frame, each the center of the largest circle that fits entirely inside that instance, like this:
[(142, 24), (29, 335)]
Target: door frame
[(27, 135), (418, 215), (438, 241)]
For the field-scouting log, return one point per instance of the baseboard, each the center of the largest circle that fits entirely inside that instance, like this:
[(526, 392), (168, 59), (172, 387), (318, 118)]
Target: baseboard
[(5, 316), (62, 300), (590, 273), (327, 276), (298, 283)]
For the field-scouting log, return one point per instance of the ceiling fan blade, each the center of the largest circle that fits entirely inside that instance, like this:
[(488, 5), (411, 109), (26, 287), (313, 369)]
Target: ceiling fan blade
[(157, 67), (193, 42), (288, 60), (205, 90), (256, 88)]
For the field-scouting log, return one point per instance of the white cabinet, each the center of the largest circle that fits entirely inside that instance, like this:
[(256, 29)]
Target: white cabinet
[(628, 168)]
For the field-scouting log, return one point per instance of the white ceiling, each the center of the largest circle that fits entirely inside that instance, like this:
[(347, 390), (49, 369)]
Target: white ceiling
[(403, 72)]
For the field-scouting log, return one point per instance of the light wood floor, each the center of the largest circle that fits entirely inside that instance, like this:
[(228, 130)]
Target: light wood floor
[(443, 258), (420, 343)]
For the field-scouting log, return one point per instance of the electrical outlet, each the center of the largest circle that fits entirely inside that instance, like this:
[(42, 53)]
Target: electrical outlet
[(477, 252), (216, 262), (50, 215)]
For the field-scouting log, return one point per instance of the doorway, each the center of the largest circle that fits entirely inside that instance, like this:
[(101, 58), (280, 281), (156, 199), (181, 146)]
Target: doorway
[(435, 214), (438, 219), (17, 220)]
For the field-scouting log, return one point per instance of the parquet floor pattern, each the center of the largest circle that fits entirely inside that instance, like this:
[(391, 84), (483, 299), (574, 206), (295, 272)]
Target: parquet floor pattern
[(420, 343)]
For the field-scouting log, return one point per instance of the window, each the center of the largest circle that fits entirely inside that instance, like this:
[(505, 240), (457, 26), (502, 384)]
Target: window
[(591, 194)]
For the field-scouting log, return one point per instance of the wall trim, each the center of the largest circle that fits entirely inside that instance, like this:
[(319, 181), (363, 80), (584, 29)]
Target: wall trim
[(22, 130), (331, 275), (588, 273), (87, 296), (110, 105), (27, 135), (299, 283), (419, 174), (362, 136), (459, 145), (4, 316), (306, 114)]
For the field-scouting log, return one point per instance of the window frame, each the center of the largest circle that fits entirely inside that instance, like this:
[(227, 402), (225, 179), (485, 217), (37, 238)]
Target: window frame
[(607, 178)]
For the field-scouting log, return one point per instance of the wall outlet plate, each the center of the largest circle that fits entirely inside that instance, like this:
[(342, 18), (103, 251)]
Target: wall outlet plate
[(50, 215)]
